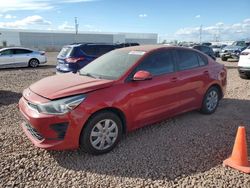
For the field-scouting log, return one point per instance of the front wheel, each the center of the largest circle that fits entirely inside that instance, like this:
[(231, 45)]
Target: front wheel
[(210, 101), (101, 133)]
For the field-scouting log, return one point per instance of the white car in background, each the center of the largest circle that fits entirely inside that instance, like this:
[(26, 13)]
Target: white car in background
[(244, 63), (21, 57)]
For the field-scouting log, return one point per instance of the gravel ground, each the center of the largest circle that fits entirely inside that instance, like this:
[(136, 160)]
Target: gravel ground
[(185, 151)]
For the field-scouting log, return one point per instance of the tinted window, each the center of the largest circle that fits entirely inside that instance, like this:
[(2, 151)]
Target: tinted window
[(198, 48), (89, 50), (100, 50), (202, 60), (158, 63), (205, 49), (77, 52), (7, 52), (22, 51), (187, 59)]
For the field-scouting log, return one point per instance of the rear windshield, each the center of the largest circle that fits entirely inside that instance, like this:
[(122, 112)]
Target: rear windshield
[(65, 52)]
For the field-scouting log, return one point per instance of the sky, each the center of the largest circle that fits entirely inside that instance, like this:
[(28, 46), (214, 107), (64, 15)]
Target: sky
[(170, 19)]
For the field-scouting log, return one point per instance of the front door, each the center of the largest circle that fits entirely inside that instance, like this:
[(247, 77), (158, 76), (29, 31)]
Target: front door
[(7, 59), (156, 99)]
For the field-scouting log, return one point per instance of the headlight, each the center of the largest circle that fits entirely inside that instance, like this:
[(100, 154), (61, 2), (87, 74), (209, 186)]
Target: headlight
[(61, 106)]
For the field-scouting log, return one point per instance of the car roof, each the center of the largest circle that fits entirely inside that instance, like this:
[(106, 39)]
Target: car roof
[(201, 46), (148, 48), (89, 44), (22, 48)]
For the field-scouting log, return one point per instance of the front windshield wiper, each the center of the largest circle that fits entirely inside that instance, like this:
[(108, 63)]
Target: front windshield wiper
[(89, 75)]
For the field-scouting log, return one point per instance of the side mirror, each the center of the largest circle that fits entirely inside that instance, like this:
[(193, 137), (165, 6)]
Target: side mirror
[(142, 75)]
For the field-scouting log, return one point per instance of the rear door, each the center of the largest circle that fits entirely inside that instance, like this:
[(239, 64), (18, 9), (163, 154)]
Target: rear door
[(22, 57), (193, 75), (7, 59), (155, 99)]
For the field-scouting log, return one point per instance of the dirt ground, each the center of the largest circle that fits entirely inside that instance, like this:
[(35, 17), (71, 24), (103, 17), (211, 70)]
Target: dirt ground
[(185, 151)]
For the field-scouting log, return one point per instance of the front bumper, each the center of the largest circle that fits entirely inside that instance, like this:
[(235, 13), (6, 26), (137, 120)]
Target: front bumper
[(229, 54), (52, 132), (63, 69), (244, 71)]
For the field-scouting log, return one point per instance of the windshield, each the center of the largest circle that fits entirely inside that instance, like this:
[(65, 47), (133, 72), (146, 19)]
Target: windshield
[(111, 65), (239, 43), (231, 47)]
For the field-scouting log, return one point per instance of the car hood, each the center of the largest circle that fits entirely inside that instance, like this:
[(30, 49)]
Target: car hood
[(67, 84)]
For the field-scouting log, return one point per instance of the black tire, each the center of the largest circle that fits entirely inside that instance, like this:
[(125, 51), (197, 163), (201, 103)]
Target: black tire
[(85, 138), (243, 76), (206, 108), (224, 58), (34, 63)]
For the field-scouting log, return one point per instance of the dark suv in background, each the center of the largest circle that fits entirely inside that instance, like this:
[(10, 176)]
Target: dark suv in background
[(233, 51), (75, 56)]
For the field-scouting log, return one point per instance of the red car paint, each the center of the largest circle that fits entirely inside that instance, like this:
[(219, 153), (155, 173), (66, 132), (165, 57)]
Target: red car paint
[(140, 102)]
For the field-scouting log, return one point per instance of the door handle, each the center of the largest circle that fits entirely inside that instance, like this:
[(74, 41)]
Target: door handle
[(174, 79), (206, 72)]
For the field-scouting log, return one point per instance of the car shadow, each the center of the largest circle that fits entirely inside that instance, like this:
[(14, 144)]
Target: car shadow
[(184, 145), (28, 68), (231, 67), (9, 97)]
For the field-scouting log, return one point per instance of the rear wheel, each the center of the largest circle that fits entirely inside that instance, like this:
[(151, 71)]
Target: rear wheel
[(101, 133), (33, 63), (210, 101)]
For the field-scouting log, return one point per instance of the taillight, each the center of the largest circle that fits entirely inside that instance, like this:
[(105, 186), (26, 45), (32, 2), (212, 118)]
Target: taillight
[(74, 60), (244, 53), (42, 53)]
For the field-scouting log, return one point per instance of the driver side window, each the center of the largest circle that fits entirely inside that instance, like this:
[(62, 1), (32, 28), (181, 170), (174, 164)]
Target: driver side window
[(158, 63), (7, 52)]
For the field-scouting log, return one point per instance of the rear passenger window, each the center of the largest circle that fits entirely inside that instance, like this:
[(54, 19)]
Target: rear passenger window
[(77, 52), (89, 50), (187, 59), (158, 63), (202, 60), (100, 50), (205, 49)]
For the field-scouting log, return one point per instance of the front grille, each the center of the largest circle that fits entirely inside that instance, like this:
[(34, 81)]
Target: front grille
[(33, 132)]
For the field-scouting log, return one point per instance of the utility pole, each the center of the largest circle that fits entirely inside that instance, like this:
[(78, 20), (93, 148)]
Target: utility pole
[(76, 25), (200, 33), (218, 33)]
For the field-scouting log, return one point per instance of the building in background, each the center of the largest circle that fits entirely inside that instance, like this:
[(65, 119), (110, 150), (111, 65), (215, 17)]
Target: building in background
[(54, 40)]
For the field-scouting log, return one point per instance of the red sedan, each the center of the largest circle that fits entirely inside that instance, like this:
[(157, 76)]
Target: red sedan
[(120, 91)]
